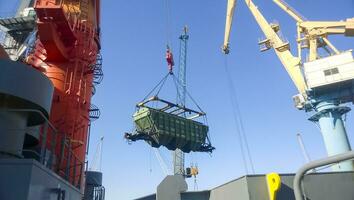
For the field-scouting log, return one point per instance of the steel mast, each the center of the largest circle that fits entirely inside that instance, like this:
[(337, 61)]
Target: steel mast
[(178, 155)]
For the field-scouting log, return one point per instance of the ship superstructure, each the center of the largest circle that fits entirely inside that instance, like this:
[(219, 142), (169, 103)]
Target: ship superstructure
[(50, 69)]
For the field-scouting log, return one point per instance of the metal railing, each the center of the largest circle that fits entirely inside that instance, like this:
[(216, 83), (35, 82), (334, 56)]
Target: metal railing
[(314, 164), (99, 193), (66, 163)]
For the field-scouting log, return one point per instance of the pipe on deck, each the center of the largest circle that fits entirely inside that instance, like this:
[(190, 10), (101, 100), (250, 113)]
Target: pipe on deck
[(314, 164)]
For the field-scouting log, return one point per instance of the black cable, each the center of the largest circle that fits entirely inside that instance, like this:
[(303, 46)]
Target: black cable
[(189, 95), (163, 83), (238, 120), (163, 80)]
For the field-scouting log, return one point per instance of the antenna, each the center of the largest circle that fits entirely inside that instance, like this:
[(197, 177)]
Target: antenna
[(97, 159), (162, 163), (303, 149)]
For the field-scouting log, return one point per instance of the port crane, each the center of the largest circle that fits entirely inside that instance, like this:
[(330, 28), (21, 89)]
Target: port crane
[(324, 83)]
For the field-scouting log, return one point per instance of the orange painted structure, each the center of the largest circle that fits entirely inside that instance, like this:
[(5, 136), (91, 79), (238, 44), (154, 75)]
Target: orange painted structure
[(68, 43)]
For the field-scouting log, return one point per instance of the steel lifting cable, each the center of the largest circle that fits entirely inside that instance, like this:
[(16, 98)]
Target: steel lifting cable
[(163, 83), (208, 135), (178, 83), (168, 23), (150, 160), (175, 80), (238, 120), (159, 84)]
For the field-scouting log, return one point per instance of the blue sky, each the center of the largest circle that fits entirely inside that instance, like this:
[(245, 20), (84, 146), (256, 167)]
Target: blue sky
[(134, 37), (8, 9)]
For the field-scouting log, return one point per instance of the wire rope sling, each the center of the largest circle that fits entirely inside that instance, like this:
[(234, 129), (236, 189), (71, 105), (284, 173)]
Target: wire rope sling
[(163, 123)]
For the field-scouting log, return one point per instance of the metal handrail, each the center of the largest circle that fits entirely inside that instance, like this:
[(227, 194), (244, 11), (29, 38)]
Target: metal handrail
[(42, 154), (47, 122), (314, 164), (31, 110)]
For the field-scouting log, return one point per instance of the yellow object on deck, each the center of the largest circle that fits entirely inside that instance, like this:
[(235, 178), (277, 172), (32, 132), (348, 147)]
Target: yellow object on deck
[(273, 183), (194, 171)]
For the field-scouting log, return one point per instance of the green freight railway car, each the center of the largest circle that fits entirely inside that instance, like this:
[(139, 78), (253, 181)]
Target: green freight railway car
[(169, 127)]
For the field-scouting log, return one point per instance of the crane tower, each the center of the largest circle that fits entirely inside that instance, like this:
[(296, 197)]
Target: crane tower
[(178, 155)]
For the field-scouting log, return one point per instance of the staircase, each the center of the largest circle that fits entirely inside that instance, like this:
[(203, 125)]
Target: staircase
[(55, 30)]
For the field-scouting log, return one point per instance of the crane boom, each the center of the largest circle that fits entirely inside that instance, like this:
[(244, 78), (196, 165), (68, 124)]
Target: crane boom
[(290, 62), (310, 31), (346, 27), (229, 18), (290, 10), (326, 27)]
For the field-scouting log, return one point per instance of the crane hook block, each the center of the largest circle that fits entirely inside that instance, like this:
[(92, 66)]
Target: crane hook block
[(226, 49), (169, 59), (273, 183)]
